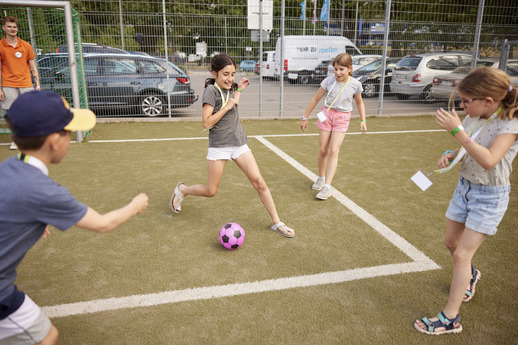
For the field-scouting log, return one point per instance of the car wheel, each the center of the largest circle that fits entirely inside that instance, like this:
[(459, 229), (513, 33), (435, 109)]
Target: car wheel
[(304, 79), (370, 90), (401, 96), (427, 94), (152, 105)]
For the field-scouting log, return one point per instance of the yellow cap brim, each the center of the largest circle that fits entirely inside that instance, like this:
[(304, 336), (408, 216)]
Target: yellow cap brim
[(84, 119)]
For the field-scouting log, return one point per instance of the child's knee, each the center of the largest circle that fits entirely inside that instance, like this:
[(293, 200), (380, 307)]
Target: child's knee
[(333, 152), (259, 184), (210, 192), (451, 245)]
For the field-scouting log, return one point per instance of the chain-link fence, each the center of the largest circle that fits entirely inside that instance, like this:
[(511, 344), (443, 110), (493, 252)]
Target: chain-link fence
[(414, 46)]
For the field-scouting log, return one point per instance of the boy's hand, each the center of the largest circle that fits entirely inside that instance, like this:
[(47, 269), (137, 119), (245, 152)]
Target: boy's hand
[(140, 202), (46, 233)]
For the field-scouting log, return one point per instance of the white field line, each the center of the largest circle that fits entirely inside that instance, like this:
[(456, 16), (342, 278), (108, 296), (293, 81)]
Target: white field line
[(264, 136), (420, 263)]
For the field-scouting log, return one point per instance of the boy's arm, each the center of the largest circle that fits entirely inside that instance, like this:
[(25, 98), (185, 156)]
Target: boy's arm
[(94, 221)]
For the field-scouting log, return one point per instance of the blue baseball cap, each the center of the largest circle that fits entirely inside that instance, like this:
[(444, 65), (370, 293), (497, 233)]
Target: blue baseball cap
[(39, 113)]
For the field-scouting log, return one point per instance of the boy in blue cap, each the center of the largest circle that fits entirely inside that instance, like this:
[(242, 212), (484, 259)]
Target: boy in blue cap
[(40, 122)]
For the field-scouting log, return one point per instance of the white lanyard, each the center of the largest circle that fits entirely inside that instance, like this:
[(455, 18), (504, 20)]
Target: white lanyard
[(343, 88), (223, 100), (462, 151), (35, 162)]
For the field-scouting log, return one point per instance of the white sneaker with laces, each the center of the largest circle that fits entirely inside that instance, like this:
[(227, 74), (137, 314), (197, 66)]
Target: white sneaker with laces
[(319, 183), (324, 193)]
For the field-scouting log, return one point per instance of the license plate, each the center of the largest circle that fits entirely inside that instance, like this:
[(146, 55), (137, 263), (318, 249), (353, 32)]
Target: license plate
[(446, 83), (293, 75), (400, 76)]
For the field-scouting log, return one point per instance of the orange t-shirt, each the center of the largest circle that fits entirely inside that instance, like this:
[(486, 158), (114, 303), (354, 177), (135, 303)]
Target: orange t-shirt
[(15, 63)]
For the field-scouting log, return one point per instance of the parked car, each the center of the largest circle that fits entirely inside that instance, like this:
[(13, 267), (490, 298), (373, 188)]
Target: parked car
[(512, 70), (443, 86), (48, 64), (413, 75), (93, 48), (370, 76), (358, 62), (134, 83), (247, 66), (321, 71)]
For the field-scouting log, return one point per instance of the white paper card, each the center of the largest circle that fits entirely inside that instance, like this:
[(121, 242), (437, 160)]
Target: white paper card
[(421, 180), (321, 116)]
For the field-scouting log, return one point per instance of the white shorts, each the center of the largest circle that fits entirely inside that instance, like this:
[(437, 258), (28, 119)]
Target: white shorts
[(11, 94), (226, 153), (27, 325)]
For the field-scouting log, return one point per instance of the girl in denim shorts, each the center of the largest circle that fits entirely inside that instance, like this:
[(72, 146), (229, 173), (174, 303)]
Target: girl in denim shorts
[(227, 141), (333, 119), (488, 134)]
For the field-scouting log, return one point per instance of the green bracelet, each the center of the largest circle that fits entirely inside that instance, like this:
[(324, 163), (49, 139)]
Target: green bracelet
[(238, 89), (456, 130), (364, 121)]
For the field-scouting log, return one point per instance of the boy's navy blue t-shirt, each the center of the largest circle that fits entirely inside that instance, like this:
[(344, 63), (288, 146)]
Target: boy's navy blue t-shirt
[(29, 200)]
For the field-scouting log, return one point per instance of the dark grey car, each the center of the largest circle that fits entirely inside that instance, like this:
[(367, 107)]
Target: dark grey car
[(138, 85)]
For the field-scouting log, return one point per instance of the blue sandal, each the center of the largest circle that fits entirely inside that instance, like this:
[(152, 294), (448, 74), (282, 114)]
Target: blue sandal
[(475, 277), (448, 325)]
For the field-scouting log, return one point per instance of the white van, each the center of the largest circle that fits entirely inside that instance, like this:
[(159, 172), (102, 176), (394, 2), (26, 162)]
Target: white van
[(268, 64), (303, 53)]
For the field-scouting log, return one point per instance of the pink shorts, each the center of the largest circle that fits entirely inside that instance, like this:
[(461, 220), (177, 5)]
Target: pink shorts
[(337, 121)]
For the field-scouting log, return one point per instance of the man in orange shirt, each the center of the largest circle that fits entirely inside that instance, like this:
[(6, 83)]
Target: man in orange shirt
[(16, 65)]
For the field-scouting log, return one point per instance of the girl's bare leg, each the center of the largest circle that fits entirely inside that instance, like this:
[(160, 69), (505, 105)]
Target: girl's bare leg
[(335, 142)]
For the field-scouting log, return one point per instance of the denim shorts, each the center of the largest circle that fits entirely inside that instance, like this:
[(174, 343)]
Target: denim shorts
[(337, 121), (480, 208), (226, 153)]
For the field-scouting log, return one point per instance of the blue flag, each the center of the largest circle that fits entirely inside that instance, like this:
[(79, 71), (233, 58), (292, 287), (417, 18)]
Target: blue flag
[(324, 14)]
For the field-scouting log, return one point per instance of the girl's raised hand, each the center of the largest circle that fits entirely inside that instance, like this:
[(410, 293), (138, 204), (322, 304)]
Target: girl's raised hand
[(448, 121), (243, 83)]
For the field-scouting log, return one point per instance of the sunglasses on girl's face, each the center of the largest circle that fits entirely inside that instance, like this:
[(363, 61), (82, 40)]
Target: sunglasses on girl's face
[(469, 101)]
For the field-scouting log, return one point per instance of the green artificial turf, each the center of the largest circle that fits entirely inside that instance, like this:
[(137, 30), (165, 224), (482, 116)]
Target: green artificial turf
[(160, 251)]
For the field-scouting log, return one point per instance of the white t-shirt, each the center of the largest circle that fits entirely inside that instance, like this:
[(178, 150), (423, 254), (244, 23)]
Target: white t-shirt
[(499, 175), (345, 99)]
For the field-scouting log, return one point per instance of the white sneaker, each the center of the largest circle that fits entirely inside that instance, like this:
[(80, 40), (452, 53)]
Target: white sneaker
[(319, 183), (324, 193), (13, 146)]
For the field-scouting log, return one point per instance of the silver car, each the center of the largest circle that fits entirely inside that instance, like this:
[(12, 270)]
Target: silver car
[(444, 85), (413, 75)]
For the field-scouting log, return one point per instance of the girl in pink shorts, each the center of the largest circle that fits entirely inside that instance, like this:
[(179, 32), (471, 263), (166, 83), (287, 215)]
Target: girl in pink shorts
[(333, 119)]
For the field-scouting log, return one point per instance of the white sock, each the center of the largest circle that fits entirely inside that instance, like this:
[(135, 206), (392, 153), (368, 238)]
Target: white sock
[(327, 185)]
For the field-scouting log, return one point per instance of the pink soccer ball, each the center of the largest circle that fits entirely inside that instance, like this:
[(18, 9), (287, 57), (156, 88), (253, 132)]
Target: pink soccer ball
[(232, 236)]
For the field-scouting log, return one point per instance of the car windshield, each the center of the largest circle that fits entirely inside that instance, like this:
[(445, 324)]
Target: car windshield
[(409, 63), (371, 67)]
